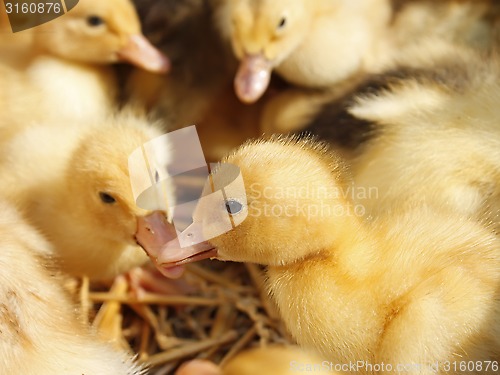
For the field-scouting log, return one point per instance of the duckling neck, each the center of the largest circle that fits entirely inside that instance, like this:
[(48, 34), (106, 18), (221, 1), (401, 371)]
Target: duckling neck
[(324, 299)]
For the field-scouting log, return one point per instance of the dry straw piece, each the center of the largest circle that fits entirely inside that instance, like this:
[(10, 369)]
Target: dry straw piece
[(214, 312)]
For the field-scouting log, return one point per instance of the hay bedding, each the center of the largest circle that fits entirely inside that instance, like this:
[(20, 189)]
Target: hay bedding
[(226, 311)]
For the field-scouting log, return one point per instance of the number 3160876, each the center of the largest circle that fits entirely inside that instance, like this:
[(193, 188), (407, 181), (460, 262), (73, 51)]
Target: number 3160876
[(33, 8)]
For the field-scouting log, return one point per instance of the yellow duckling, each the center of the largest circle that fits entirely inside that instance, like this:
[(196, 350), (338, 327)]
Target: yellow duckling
[(470, 22), (72, 183), (321, 43), (446, 142), (277, 360), (39, 329), (415, 287), (65, 60), (328, 52), (309, 43)]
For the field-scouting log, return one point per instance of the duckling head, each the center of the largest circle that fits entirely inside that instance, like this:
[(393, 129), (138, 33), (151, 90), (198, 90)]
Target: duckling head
[(262, 33), (287, 210), (101, 32), (98, 196), (293, 192), (309, 43)]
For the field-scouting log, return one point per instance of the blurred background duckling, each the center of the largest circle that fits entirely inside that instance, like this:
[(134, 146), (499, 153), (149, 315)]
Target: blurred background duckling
[(425, 131), (323, 48), (72, 183), (93, 32), (275, 360), (416, 285), (67, 60), (198, 89), (40, 329), (469, 22)]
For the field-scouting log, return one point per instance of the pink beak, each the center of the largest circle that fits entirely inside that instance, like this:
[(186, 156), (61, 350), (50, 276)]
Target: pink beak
[(140, 52), (161, 242), (252, 78)]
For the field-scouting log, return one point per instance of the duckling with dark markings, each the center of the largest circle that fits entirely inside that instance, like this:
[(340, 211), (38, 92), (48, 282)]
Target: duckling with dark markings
[(427, 131)]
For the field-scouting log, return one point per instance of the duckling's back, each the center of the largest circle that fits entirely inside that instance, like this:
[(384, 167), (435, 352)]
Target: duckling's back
[(440, 273), (444, 146), (40, 331)]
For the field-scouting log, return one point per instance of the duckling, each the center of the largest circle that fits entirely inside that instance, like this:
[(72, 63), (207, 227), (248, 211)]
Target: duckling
[(417, 286), (67, 59), (387, 27), (40, 331), (276, 360), (309, 44), (425, 131), (72, 183), (302, 41)]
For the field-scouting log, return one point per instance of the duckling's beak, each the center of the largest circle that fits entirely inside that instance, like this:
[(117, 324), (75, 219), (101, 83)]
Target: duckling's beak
[(253, 77), (140, 52), (162, 243)]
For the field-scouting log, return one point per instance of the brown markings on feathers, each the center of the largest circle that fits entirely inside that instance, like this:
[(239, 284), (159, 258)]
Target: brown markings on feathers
[(336, 124), (10, 325)]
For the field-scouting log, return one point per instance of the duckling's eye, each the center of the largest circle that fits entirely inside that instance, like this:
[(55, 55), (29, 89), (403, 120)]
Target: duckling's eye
[(95, 21), (107, 198), (281, 23), (233, 207)]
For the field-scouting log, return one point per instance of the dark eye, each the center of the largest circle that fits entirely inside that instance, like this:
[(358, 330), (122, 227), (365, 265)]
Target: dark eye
[(95, 21), (282, 23), (233, 207), (106, 198)]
